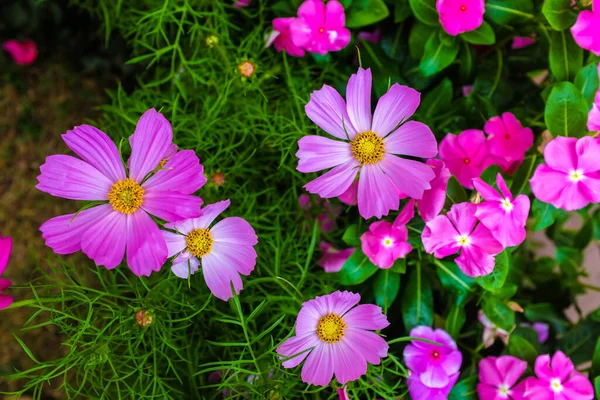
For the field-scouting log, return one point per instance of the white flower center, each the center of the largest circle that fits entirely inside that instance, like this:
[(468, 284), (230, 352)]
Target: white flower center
[(507, 205), (387, 242), (503, 391), (463, 240), (576, 175), (555, 385)]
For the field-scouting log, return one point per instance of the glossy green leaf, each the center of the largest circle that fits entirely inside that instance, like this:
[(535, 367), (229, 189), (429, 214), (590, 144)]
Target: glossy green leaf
[(385, 287), (521, 348), (584, 236), (544, 215), (417, 301), (484, 35), (566, 111), (466, 57), (440, 51), (499, 313), (559, 14), (495, 280), (352, 236), (366, 12), (399, 266), (587, 82), (455, 321), (465, 389), (356, 269), (566, 57), (425, 11), (455, 193), (454, 280), (419, 35), (544, 312), (595, 371), (570, 261), (521, 177), (439, 100), (506, 11), (597, 386), (402, 10)]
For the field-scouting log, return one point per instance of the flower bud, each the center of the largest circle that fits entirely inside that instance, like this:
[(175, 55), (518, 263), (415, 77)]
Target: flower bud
[(143, 318)]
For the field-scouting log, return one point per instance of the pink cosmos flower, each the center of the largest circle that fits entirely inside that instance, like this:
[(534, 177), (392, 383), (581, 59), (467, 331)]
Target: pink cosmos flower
[(334, 337), (22, 52), (384, 242), (123, 223), (557, 379), (502, 214), (491, 331), (466, 90), (542, 329), (586, 30), (498, 376), (327, 217), (226, 249), (367, 145), (593, 123), (520, 42), (508, 141), (434, 364), (458, 16), (465, 155), (373, 37), (447, 234), (570, 179), (434, 199), (333, 259), (5, 249), (320, 28), (241, 3), (419, 391), (281, 39)]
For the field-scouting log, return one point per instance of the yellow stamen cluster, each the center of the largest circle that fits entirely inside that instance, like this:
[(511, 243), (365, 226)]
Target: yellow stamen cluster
[(368, 148), (199, 242), (126, 196), (161, 164), (331, 328)]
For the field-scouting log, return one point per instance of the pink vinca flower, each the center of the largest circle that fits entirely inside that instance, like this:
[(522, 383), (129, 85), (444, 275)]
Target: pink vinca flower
[(458, 16), (373, 37), (508, 141), (5, 249), (542, 329), (465, 155), (226, 249), (367, 146), (385, 242), (593, 123), (419, 391), (557, 379), (333, 259), (22, 52), (123, 223), (570, 179), (520, 42), (328, 215), (320, 28), (491, 331), (434, 365), (586, 30), (448, 234), (281, 39), (434, 199), (498, 376), (334, 337), (502, 214)]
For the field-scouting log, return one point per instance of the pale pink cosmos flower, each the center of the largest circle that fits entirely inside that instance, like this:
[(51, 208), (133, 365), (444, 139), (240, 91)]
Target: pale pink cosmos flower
[(225, 251), (123, 223), (491, 331), (5, 249), (586, 30), (434, 199), (557, 379), (22, 52), (498, 376), (465, 155), (520, 42), (320, 28), (373, 37), (458, 16), (502, 214), (448, 234), (368, 146), (542, 329), (385, 242), (280, 37), (593, 123), (328, 215), (335, 337), (570, 179), (419, 391), (434, 364), (333, 259), (508, 141)]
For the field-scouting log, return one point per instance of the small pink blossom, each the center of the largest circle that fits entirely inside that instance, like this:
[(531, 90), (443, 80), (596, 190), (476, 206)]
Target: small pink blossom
[(542, 329), (508, 141), (433, 200), (593, 123), (586, 30), (498, 376), (328, 214), (333, 259), (22, 52), (465, 155), (5, 249), (419, 391), (458, 16), (520, 42), (538, 77), (281, 39), (373, 37), (570, 179), (466, 90), (491, 331), (241, 3)]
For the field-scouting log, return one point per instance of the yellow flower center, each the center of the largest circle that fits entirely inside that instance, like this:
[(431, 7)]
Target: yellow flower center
[(126, 196), (507, 205), (503, 391), (387, 242), (463, 240), (556, 385), (199, 242), (331, 328), (576, 175), (367, 147)]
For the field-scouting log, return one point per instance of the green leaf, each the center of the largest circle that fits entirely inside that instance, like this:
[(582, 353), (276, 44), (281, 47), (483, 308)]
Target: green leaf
[(399, 266), (495, 280), (566, 57), (521, 348), (570, 261), (467, 59), (455, 193), (595, 371), (483, 35), (597, 386), (425, 11), (587, 82), (417, 301), (506, 292), (385, 287), (566, 111), (465, 389), (544, 312), (544, 215), (352, 236), (439, 100), (401, 10), (356, 269), (419, 35), (440, 51), (454, 280), (559, 14), (584, 236), (507, 11), (522, 175), (499, 313), (366, 12), (455, 320), (579, 342), (490, 174)]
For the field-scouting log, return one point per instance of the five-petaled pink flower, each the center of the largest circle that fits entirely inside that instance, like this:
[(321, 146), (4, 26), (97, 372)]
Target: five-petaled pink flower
[(586, 30), (22, 52), (5, 249), (491, 331), (508, 141), (419, 391), (433, 200), (334, 337), (226, 249), (570, 179), (123, 223), (281, 39), (466, 155), (502, 214), (333, 259), (458, 16), (498, 376), (447, 234), (367, 145)]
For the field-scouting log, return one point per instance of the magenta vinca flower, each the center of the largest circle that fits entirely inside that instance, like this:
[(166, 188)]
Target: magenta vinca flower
[(448, 234), (586, 30), (541, 328), (458, 16), (498, 376), (385, 242), (226, 249), (466, 155), (520, 42), (333, 259), (502, 214), (281, 39), (123, 223), (367, 145), (433, 200), (570, 179), (593, 123), (419, 391), (508, 141), (22, 52), (334, 337), (433, 364), (491, 331), (5, 249)]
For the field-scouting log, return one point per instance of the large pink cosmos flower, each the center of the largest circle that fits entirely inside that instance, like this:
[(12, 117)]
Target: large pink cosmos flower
[(586, 30), (508, 141), (226, 249), (593, 123), (557, 379), (123, 223), (491, 331), (419, 391), (502, 214), (465, 155), (333, 259), (334, 337), (433, 200), (320, 28), (458, 16), (570, 179), (281, 39), (447, 234), (5, 249), (368, 145), (22, 52), (434, 364), (498, 376)]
